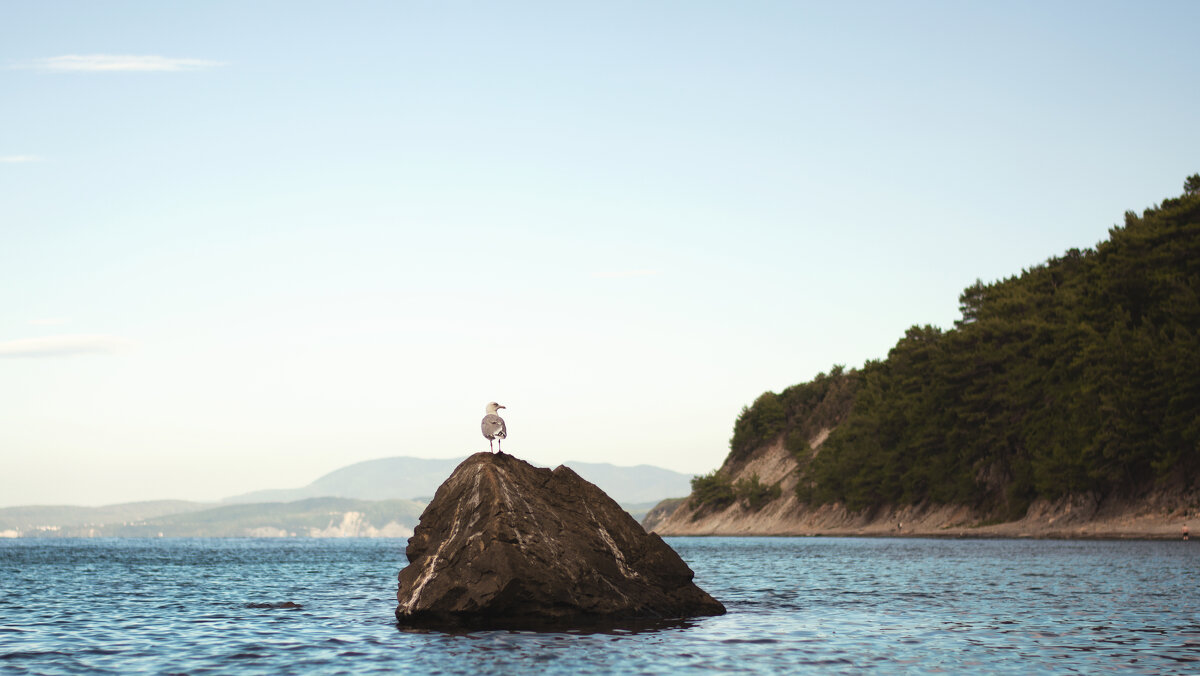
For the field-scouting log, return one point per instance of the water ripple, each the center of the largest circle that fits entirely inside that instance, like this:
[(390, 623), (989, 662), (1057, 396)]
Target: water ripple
[(795, 604)]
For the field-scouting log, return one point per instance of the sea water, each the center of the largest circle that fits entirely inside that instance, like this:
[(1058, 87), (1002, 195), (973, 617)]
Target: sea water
[(795, 605)]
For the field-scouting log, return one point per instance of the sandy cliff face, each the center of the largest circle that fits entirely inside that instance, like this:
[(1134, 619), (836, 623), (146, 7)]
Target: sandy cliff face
[(1161, 514), (783, 516)]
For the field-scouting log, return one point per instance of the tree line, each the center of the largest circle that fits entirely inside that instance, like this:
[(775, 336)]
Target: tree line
[(1079, 375)]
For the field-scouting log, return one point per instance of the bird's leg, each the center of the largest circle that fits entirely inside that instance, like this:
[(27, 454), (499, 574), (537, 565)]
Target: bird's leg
[(490, 449), (498, 446)]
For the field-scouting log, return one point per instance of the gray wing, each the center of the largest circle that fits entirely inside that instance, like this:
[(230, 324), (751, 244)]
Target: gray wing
[(493, 427)]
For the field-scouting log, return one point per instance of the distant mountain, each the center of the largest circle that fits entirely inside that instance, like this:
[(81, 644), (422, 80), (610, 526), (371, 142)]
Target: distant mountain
[(401, 477), (418, 478), (637, 484), (375, 498), (315, 517), (58, 517)]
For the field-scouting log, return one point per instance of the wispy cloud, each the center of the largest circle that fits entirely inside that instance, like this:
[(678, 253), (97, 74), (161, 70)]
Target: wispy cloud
[(17, 159), (625, 274), (62, 346), (49, 321), (111, 63)]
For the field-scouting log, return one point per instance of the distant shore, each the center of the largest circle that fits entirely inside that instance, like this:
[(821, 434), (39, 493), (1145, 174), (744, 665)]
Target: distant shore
[(1066, 519)]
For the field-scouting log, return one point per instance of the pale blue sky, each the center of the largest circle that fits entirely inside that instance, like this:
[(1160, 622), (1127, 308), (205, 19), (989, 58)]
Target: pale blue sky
[(254, 242)]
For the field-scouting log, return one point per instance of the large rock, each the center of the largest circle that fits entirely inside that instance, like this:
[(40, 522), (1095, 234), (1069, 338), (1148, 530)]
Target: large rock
[(507, 544)]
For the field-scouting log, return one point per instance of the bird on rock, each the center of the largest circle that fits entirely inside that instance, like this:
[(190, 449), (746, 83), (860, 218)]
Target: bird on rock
[(493, 425)]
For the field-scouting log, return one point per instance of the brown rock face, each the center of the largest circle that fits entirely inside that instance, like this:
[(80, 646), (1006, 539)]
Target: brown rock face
[(507, 544)]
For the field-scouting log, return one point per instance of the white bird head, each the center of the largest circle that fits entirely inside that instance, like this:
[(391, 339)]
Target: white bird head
[(493, 407)]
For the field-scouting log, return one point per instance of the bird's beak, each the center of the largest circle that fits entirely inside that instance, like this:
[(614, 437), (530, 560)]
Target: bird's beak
[(501, 407)]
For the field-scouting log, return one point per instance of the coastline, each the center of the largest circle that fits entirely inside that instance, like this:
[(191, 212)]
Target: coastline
[(1161, 514), (1167, 533), (1060, 520)]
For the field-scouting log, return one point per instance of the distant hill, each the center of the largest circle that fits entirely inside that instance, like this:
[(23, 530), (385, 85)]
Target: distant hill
[(1076, 381), (403, 477), (51, 517), (375, 498), (632, 485), (314, 517), (399, 477)]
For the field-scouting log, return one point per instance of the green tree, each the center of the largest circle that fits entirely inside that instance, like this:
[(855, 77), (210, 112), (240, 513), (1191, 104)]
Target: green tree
[(757, 425), (1078, 375), (754, 494), (712, 491)]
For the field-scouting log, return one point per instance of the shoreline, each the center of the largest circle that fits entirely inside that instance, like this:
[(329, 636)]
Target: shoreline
[(1079, 518), (1157, 513), (1061, 537)]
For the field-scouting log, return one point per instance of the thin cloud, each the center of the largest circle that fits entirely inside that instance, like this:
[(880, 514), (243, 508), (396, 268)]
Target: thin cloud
[(63, 346), (18, 159), (115, 63), (49, 321), (625, 274)]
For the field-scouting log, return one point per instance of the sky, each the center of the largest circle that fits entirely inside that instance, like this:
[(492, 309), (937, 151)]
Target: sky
[(246, 244)]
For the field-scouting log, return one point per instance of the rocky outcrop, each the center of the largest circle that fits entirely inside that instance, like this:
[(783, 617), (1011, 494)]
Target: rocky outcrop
[(506, 544), (278, 605), (660, 512), (770, 465)]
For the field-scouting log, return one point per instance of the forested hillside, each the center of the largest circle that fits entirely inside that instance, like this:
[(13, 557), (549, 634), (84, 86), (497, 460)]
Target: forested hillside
[(1080, 375)]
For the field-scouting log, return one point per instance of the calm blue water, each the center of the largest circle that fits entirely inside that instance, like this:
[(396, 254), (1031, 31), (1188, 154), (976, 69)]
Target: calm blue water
[(795, 604)]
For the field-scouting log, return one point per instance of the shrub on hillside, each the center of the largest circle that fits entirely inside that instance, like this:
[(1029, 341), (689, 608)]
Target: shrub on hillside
[(754, 494), (712, 491)]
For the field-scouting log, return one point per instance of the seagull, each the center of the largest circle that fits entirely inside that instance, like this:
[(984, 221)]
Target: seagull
[(493, 425)]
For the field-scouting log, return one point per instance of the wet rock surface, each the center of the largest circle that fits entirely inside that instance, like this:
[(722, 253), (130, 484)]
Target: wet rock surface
[(280, 605), (507, 544)]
